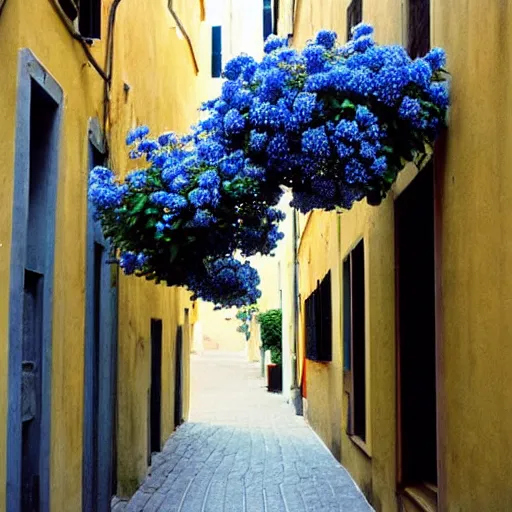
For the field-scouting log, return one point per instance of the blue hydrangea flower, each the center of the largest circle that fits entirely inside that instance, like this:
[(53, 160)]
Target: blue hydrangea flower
[(348, 130), (315, 56), (137, 179), (326, 38), (168, 139), (274, 42), (258, 141), (304, 107), (209, 179), (203, 219), (234, 122), (173, 202), (410, 110), (104, 192), (130, 262), (436, 58), (137, 133), (315, 142), (440, 94), (361, 30), (421, 72), (379, 166), (236, 66), (364, 117)]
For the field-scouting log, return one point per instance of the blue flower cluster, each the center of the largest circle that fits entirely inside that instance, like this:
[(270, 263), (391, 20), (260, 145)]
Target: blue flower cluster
[(195, 203), (333, 122)]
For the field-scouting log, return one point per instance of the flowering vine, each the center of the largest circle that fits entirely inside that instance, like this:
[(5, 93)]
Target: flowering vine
[(335, 123)]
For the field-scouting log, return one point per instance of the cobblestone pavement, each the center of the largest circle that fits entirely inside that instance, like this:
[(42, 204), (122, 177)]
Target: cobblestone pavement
[(244, 450)]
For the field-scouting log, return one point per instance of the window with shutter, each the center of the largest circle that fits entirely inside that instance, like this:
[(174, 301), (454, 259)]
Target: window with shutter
[(418, 28), (216, 51), (89, 19), (354, 15), (88, 13), (318, 310), (267, 18)]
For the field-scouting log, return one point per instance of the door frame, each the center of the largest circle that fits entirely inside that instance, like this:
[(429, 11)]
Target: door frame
[(107, 358), (30, 70)]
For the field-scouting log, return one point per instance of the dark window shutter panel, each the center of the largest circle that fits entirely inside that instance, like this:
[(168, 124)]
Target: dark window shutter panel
[(216, 51), (354, 15), (69, 9), (418, 28), (89, 19), (267, 18)]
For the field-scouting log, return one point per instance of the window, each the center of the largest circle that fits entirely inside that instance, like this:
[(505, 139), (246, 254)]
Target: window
[(318, 311), (418, 28), (267, 19), (354, 15), (354, 340), (216, 51), (276, 17), (88, 13)]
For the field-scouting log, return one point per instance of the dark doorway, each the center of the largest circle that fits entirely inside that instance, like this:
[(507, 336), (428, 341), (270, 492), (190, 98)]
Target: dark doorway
[(416, 320), (178, 385), (100, 376), (156, 385)]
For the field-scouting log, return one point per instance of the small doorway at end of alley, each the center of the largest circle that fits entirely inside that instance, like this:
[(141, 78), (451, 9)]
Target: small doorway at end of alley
[(155, 414), (178, 383), (416, 338)]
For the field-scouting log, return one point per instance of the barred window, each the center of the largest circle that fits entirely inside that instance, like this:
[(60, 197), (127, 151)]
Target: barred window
[(318, 311)]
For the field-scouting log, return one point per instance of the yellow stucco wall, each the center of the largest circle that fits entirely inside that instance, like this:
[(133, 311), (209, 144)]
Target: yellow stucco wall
[(475, 409), (156, 64)]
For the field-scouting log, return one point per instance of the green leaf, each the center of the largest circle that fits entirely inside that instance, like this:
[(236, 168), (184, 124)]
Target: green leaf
[(139, 205), (348, 105)]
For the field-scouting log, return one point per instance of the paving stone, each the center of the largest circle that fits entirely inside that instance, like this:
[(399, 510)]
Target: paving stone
[(242, 451)]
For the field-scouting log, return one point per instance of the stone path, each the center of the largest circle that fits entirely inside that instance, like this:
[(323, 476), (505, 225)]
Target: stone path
[(243, 450)]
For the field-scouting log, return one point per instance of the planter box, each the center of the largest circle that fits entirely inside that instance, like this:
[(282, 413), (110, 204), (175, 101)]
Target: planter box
[(274, 378)]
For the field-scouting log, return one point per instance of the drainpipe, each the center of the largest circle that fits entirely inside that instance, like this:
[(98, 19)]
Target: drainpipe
[(295, 393)]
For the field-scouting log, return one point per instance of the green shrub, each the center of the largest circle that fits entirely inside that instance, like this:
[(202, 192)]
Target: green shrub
[(271, 332)]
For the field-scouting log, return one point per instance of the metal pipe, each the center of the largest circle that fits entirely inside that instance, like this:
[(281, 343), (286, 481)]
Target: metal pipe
[(185, 35), (71, 29)]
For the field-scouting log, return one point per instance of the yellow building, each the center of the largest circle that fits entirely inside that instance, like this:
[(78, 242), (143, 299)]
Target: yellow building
[(91, 360), (415, 399)]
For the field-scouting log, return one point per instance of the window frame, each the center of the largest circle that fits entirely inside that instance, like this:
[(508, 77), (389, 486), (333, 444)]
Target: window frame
[(351, 385), (354, 16)]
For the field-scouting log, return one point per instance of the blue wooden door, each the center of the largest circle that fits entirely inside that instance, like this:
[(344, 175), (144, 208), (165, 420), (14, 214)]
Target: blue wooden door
[(100, 369)]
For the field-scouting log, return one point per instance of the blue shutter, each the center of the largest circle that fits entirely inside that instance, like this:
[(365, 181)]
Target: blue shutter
[(216, 51), (267, 18)]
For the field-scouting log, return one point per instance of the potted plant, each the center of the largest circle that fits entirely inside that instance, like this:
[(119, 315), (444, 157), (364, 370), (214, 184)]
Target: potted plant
[(271, 339)]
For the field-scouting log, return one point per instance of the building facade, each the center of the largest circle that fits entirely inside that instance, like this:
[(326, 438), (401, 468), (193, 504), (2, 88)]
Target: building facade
[(94, 365), (409, 386)]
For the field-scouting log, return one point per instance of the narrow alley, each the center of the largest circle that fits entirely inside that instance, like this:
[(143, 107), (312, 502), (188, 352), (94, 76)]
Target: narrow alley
[(243, 450)]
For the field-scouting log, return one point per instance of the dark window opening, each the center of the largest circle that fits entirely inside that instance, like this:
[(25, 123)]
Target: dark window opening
[(415, 276), (276, 17), (216, 52), (355, 340), (418, 28), (354, 16), (318, 309), (88, 13)]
